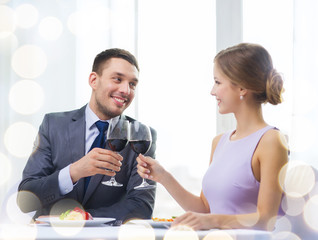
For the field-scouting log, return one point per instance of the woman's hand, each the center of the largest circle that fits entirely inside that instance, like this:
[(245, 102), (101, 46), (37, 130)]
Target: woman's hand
[(195, 221), (149, 168)]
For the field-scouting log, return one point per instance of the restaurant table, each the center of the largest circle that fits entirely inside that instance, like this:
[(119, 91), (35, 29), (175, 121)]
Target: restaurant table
[(124, 232)]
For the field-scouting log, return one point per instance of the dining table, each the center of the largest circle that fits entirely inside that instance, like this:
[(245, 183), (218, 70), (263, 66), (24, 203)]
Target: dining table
[(132, 230)]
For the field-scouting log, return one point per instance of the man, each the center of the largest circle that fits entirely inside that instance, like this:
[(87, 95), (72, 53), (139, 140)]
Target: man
[(55, 175)]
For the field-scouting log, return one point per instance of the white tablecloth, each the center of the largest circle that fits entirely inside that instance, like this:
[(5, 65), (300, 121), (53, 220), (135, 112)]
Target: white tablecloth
[(124, 232)]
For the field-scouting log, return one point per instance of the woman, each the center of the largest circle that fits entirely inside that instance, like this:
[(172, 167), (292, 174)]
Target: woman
[(240, 188)]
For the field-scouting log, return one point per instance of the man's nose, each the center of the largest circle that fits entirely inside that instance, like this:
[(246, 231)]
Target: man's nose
[(124, 88)]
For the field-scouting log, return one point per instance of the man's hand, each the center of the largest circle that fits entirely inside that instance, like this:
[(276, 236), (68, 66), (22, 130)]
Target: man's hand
[(97, 161)]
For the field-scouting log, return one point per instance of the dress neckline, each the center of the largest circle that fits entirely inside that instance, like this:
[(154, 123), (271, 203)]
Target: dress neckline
[(243, 138)]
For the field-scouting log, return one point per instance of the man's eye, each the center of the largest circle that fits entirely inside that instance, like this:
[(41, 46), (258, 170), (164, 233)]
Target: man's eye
[(117, 79), (133, 85)]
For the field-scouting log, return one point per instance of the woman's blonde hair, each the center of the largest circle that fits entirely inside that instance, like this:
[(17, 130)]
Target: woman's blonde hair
[(250, 66)]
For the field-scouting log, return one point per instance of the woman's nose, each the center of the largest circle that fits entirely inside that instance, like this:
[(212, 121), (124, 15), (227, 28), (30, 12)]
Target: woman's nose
[(213, 91)]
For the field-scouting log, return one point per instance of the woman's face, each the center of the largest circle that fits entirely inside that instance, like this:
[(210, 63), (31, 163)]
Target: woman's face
[(226, 93)]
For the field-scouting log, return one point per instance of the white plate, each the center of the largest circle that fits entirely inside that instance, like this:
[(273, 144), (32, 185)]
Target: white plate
[(57, 222), (152, 223)]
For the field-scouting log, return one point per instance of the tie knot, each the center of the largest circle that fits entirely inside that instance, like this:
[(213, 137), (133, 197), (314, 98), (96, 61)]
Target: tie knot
[(102, 126)]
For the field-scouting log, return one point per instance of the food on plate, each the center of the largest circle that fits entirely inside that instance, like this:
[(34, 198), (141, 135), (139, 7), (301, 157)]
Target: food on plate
[(156, 219), (76, 214)]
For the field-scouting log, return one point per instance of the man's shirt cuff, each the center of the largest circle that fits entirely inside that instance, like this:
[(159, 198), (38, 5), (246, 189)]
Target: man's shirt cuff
[(65, 181)]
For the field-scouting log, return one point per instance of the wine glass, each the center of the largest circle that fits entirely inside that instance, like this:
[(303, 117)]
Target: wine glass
[(140, 141), (117, 139)]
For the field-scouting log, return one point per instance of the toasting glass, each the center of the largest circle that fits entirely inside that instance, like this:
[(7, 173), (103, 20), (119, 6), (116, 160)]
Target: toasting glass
[(140, 141), (117, 139)]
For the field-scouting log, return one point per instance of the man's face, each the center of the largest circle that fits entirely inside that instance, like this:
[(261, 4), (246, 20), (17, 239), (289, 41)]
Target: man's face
[(114, 89)]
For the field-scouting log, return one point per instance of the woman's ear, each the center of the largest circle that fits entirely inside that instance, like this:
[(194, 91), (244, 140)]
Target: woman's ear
[(243, 92)]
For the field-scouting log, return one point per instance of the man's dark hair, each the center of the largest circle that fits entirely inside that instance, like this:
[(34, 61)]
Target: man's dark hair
[(106, 55)]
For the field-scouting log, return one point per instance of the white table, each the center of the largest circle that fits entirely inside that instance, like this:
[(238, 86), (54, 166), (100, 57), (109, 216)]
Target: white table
[(124, 232)]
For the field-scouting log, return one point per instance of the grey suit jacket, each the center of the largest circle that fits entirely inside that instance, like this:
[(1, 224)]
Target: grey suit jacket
[(60, 142)]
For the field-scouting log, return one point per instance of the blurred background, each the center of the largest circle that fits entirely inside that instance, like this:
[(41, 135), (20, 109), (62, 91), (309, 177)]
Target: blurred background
[(47, 49)]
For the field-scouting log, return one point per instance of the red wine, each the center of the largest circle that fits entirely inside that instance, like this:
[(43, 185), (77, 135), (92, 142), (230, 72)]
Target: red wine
[(140, 146), (116, 145)]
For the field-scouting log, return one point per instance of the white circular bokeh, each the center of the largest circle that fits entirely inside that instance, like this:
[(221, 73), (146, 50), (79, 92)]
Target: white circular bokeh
[(297, 179), (133, 230), (18, 231), (26, 97), (8, 44), (293, 206), (50, 28), (286, 235), (27, 15), (5, 169), (311, 212), (19, 139), (14, 213), (218, 235), (29, 61), (7, 21)]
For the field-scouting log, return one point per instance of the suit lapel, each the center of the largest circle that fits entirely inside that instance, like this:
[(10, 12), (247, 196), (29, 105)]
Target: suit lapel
[(77, 142), (93, 184)]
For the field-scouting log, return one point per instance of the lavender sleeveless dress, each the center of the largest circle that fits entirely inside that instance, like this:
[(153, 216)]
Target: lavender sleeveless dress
[(229, 184)]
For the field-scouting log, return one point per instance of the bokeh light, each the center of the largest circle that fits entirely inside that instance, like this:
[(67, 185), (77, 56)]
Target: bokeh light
[(26, 97), (5, 169), (218, 235), (19, 138), (29, 61), (297, 178), (293, 206), (8, 44), (314, 191), (60, 207), (136, 230), (27, 15), (311, 212), (50, 28), (248, 222), (286, 236), (4, 1), (81, 23), (282, 224), (181, 233), (14, 213), (7, 21), (18, 231), (303, 134)]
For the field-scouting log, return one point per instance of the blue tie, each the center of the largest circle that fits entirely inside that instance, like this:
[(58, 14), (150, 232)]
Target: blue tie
[(98, 142)]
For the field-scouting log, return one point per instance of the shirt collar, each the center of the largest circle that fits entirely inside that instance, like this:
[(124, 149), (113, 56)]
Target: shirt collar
[(91, 118)]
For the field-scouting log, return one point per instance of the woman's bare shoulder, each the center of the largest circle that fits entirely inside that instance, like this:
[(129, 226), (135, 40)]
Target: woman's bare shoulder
[(216, 139), (274, 137)]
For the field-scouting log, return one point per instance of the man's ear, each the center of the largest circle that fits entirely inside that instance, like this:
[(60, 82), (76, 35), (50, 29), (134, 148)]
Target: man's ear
[(92, 80)]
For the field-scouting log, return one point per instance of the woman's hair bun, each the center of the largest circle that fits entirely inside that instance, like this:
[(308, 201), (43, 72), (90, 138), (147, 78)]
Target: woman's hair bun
[(274, 87)]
